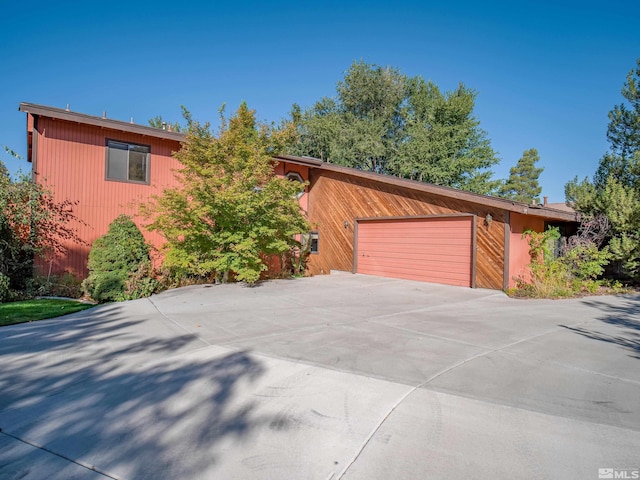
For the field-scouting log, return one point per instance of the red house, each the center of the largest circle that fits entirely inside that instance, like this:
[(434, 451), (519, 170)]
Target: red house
[(363, 222)]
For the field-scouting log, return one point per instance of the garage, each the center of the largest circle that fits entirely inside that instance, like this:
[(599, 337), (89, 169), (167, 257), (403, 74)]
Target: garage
[(429, 249)]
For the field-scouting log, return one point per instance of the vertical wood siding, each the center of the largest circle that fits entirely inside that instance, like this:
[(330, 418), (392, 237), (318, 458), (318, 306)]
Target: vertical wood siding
[(335, 197), (71, 163)]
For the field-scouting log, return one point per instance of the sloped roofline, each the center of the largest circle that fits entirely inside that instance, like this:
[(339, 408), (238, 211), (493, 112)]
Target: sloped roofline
[(62, 114), (485, 200)]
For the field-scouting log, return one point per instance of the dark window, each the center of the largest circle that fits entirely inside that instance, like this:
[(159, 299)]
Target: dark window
[(128, 162)]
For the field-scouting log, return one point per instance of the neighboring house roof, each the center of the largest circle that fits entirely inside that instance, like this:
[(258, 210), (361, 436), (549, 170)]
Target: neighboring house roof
[(561, 206), (551, 212)]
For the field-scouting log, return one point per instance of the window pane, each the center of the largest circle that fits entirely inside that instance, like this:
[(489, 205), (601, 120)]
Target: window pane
[(117, 161), (128, 162), (139, 148), (137, 166)]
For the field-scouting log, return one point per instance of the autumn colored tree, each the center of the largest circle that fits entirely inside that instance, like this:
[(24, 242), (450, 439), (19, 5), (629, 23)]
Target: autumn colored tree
[(231, 211)]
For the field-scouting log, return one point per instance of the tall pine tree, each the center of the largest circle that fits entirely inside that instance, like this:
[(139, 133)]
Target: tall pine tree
[(615, 190), (522, 184)]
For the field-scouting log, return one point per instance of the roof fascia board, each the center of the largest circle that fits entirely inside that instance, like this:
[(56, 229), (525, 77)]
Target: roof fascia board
[(60, 114), (308, 161)]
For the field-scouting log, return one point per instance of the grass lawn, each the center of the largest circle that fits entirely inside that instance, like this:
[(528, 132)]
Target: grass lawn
[(30, 310)]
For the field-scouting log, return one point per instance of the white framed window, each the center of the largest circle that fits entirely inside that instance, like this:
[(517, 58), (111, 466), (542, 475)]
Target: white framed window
[(128, 162), (296, 177)]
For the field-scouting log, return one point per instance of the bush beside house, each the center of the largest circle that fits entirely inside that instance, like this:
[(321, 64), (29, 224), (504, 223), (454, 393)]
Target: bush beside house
[(119, 264)]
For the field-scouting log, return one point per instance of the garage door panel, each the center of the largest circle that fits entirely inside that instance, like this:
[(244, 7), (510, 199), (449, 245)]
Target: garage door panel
[(456, 280), (436, 269), (432, 250), (417, 242), (441, 256), (416, 233)]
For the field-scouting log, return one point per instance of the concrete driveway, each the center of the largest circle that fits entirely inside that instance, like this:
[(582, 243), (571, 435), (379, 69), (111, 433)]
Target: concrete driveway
[(333, 377)]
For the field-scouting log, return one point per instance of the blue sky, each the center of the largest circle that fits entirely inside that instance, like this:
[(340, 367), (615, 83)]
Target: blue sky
[(546, 72)]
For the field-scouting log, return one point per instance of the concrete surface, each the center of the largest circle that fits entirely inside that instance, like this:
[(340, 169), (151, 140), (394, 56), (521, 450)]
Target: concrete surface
[(332, 377)]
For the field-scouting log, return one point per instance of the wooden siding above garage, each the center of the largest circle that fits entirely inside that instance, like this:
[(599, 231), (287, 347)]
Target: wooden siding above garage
[(337, 197)]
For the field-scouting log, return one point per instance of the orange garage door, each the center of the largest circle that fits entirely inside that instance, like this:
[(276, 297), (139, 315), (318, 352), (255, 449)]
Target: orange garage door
[(435, 250)]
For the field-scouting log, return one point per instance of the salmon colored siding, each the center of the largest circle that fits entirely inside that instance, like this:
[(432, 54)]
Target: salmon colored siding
[(519, 256), (283, 168), (71, 161), (430, 250)]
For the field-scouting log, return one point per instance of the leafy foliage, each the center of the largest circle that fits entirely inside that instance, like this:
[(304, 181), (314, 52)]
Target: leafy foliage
[(385, 122), (115, 258), (522, 184), (231, 210), (31, 223), (573, 273), (61, 285), (615, 190), (5, 291)]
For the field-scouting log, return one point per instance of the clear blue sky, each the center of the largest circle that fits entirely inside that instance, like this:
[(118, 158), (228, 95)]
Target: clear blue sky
[(546, 72)]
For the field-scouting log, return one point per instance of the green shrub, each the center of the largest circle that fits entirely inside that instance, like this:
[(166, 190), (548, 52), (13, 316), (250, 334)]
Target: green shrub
[(4, 288), (117, 260), (141, 284), (586, 262), (108, 286), (63, 285), (572, 274)]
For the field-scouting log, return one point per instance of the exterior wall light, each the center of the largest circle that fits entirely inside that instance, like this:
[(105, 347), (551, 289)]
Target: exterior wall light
[(346, 224), (488, 219)]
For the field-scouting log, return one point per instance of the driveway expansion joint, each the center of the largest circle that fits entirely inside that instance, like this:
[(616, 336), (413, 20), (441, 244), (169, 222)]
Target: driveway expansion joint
[(93, 468)]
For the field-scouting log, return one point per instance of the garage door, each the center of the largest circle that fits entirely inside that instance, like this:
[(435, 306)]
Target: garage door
[(435, 250)]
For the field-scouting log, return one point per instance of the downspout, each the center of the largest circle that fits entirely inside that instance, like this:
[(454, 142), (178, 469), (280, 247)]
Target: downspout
[(507, 248)]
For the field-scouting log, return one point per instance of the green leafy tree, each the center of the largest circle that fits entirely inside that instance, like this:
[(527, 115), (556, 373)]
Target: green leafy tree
[(615, 190), (522, 184), (116, 257), (231, 211), (385, 122), (32, 223)]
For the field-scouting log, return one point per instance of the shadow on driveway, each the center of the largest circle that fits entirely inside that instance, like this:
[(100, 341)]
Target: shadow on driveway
[(133, 416), (625, 316)]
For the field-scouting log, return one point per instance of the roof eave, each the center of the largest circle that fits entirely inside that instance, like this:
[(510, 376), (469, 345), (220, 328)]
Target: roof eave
[(60, 114)]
